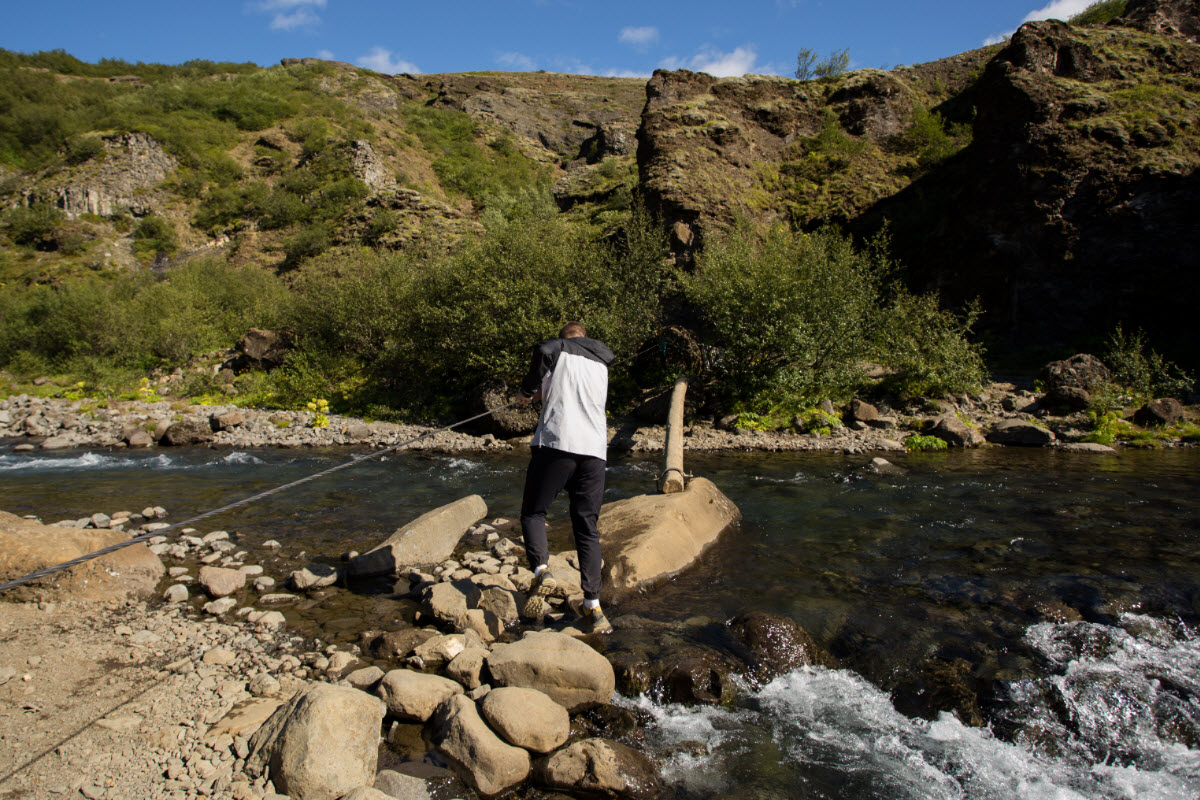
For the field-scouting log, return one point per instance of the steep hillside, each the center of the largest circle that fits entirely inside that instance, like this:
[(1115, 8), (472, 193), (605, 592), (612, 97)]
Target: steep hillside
[(110, 165), (1053, 177)]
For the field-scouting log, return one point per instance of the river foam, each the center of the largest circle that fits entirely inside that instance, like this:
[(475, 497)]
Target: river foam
[(1124, 711)]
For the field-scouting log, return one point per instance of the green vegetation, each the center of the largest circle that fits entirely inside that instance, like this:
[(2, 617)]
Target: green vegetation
[(1141, 371), (917, 443), (1100, 13), (810, 65), (463, 167), (397, 313), (796, 315)]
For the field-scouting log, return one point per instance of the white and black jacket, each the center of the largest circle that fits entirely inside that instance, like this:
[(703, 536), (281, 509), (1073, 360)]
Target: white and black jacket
[(573, 375)]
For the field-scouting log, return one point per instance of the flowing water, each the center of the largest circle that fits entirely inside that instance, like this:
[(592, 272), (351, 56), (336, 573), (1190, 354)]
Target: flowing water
[(1061, 593)]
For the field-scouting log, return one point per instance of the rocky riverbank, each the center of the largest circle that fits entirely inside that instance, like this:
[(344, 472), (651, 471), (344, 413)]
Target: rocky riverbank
[(1001, 414)]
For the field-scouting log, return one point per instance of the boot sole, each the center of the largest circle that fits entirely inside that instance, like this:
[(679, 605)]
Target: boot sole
[(535, 606)]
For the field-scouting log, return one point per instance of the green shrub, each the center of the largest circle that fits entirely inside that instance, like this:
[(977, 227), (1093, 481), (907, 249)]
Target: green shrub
[(83, 148), (928, 348), (790, 314), (810, 65), (918, 443), (155, 236), (1100, 13), (930, 138), (33, 226), (1142, 371)]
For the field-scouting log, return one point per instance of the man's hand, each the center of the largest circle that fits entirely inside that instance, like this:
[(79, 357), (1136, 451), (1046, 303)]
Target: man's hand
[(522, 400)]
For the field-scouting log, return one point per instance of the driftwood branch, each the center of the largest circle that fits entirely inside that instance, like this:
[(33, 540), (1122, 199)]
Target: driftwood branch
[(672, 479)]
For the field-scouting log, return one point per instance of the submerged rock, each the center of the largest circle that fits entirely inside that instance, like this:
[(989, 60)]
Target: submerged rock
[(649, 538), (429, 539), (601, 767)]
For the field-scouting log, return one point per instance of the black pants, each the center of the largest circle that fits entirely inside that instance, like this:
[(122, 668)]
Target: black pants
[(550, 471)]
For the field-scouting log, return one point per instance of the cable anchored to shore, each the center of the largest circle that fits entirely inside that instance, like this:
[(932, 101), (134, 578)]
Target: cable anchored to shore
[(47, 571)]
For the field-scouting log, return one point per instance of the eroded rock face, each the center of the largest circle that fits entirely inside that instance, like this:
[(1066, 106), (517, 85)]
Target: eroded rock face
[(602, 767), (133, 166), (1176, 18), (321, 744)]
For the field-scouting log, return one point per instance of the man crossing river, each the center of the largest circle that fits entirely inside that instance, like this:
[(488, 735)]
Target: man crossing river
[(570, 450)]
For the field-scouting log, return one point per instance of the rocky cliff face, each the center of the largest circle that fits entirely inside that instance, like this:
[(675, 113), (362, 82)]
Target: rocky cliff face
[(125, 177), (1059, 189), (1072, 208)]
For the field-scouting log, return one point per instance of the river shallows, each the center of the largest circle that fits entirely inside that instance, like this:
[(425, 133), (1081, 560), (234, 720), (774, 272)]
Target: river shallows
[(1069, 585)]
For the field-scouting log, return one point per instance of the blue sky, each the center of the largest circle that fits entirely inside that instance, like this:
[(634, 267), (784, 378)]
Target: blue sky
[(617, 37)]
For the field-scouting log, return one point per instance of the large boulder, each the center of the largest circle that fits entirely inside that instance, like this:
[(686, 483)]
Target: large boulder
[(428, 539), (956, 433), (414, 696), (221, 582), (775, 645), (1159, 413), (1082, 371), (571, 673), (263, 349), (448, 602), (601, 767), (320, 745), (649, 538), (1019, 433), (526, 718), (479, 756), (188, 432), (27, 546)]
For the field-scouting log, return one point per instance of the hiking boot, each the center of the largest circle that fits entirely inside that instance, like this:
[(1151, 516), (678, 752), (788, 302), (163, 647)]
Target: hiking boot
[(539, 590), (594, 621)]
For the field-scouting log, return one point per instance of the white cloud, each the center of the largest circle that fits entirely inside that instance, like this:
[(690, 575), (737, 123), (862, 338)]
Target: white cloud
[(1058, 9), (626, 73), (380, 59), (638, 37), (997, 39), (300, 18), (721, 65), (516, 61), (290, 14), (325, 54)]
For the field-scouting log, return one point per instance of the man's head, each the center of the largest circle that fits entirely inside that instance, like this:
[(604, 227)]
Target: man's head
[(571, 330)]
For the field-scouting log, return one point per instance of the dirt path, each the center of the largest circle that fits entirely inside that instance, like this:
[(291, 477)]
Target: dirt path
[(116, 701)]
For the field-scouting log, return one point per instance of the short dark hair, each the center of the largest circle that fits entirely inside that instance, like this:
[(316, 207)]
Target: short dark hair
[(570, 330)]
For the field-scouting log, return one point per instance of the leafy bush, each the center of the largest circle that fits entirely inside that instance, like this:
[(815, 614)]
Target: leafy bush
[(1100, 13), (790, 314), (155, 236), (930, 138), (462, 165), (1143, 371), (83, 148), (34, 226), (137, 320), (918, 443), (810, 65), (928, 347)]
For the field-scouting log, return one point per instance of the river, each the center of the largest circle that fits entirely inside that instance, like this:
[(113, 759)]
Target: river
[(1062, 590)]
